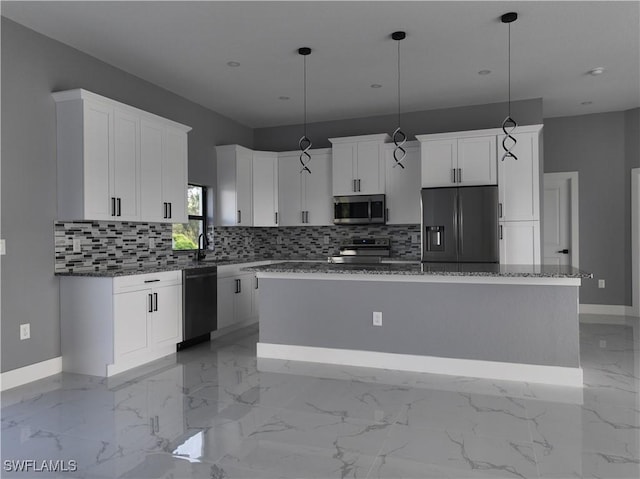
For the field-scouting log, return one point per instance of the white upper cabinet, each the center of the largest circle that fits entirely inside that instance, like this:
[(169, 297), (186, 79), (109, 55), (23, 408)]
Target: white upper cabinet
[(403, 186), (112, 160), (449, 160), (305, 199), (235, 185), (358, 164), (265, 189), (519, 180)]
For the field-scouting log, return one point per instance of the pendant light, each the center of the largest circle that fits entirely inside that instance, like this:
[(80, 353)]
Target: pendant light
[(398, 136), (305, 143), (509, 124)]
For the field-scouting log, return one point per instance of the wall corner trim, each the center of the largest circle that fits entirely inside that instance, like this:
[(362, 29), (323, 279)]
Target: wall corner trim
[(27, 374)]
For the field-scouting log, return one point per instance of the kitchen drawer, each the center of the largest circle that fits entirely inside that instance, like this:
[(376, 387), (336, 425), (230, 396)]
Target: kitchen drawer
[(136, 282)]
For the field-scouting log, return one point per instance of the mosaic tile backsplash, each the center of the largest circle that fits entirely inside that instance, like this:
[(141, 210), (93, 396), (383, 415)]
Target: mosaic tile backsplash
[(107, 245)]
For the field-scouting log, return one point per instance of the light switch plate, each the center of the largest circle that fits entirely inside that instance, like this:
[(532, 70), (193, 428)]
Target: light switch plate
[(601, 283), (77, 245), (25, 331), (377, 318)]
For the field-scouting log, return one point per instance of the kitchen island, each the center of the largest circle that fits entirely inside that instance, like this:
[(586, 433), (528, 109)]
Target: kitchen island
[(510, 322)]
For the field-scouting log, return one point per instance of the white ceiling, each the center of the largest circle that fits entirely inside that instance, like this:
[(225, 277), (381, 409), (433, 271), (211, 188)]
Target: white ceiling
[(185, 46)]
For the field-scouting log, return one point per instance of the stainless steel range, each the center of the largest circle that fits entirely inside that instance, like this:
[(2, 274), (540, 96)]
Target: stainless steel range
[(363, 250)]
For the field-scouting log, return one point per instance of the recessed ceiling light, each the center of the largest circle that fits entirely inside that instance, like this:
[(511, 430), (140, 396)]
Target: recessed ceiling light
[(596, 71), (586, 103), (376, 85), (284, 98), (484, 72), (233, 64)]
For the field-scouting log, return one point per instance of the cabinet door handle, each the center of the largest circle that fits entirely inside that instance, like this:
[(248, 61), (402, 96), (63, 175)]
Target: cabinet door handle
[(256, 282), (359, 185), (500, 231), (301, 216), (155, 297), (151, 280), (459, 175), (150, 303), (113, 206), (119, 206), (164, 210), (276, 217), (239, 216), (499, 210), (386, 215), (239, 286), (169, 209), (306, 216), (353, 186), (453, 175)]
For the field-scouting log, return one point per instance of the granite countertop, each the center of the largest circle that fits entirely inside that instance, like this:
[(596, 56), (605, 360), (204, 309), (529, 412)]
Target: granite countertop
[(434, 269)]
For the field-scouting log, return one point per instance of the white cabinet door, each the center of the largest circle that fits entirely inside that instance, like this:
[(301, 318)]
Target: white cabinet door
[(519, 180), (520, 242), (317, 199), (125, 165), (255, 296), (369, 173), (98, 148), (439, 161), (344, 165), (130, 334), (151, 203), (403, 187), (477, 161), (265, 188), (244, 188), (166, 319), (244, 298), (290, 189), (174, 174), (227, 288)]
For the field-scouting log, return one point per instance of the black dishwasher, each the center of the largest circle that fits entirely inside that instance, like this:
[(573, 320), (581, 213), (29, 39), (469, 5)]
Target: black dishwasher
[(199, 304)]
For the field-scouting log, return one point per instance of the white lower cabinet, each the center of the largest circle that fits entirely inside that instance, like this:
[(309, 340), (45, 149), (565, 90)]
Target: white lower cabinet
[(519, 242), (109, 325), (238, 294)]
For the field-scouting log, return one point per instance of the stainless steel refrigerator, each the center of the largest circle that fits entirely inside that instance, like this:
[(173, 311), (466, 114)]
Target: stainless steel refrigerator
[(460, 225)]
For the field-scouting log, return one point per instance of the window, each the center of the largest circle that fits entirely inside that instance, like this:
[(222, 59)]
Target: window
[(185, 236)]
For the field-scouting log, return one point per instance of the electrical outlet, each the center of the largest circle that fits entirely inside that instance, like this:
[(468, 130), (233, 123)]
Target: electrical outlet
[(601, 283), (279, 240), (603, 343), (77, 245), (3, 247), (415, 238), (377, 318), (25, 331), (327, 239), (152, 243)]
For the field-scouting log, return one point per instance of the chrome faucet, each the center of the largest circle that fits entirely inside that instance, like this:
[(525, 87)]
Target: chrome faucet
[(202, 254)]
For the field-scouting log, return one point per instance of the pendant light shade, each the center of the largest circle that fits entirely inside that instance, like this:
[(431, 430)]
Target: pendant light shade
[(305, 143), (398, 136), (509, 124)]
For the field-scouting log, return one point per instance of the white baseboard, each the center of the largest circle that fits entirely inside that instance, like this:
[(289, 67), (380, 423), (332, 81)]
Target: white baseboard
[(532, 373), (607, 309), (33, 372)]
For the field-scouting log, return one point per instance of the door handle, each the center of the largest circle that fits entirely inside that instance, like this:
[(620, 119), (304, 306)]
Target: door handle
[(276, 217), (359, 185), (164, 206), (150, 303), (155, 297), (302, 216), (119, 202), (113, 206), (239, 216), (564, 251), (170, 210), (306, 216), (453, 175), (459, 175)]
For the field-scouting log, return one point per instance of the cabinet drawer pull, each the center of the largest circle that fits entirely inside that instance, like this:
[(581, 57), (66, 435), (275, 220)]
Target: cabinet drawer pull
[(151, 280), (150, 303), (155, 297)]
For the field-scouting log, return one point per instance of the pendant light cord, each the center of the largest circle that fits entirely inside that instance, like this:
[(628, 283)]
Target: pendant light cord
[(509, 124), (509, 65), (399, 137), (305, 95), (398, 84)]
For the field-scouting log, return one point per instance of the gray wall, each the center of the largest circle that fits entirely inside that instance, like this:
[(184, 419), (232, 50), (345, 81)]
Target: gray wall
[(32, 67), (476, 117), (599, 147)]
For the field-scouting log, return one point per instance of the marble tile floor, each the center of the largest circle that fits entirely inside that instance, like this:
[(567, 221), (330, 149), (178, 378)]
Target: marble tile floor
[(215, 411)]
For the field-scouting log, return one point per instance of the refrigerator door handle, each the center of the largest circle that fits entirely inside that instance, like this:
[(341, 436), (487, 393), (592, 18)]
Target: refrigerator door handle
[(460, 223)]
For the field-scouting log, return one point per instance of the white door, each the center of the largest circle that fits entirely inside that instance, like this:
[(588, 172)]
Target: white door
[(344, 161), (318, 201), (477, 161), (130, 327), (290, 190), (227, 288), (244, 188), (403, 187), (98, 150), (439, 159), (166, 319), (243, 298), (265, 188), (151, 203), (519, 181), (174, 174), (557, 220), (125, 166)]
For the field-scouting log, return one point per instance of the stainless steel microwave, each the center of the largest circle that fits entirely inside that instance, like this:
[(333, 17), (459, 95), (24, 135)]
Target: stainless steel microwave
[(358, 209)]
